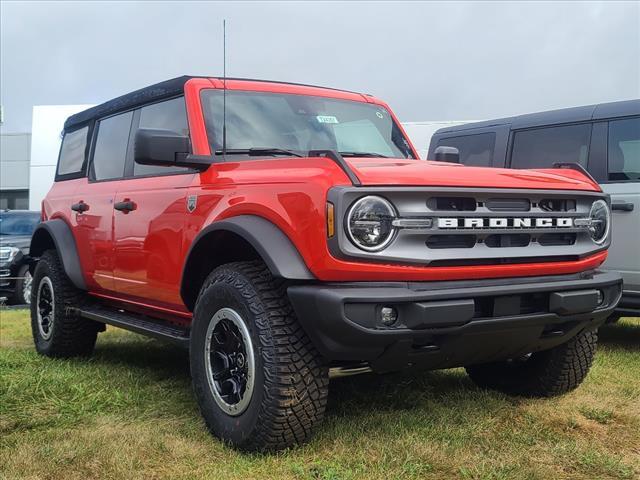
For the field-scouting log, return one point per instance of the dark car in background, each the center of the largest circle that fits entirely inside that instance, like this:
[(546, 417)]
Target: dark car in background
[(16, 227), (604, 139)]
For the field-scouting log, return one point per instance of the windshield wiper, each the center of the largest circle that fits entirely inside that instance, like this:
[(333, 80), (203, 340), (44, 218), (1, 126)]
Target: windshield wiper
[(257, 152), (362, 154)]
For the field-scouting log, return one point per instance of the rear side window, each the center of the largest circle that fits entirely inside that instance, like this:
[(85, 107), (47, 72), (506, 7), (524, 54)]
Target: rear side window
[(624, 150), (72, 152), (111, 147), (170, 115), (475, 150), (542, 147)]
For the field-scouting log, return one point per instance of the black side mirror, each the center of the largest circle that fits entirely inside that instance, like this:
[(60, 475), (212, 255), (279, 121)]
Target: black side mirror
[(447, 154), (165, 148)]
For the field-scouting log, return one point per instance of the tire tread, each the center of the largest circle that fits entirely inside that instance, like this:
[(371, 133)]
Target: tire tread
[(296, 376)]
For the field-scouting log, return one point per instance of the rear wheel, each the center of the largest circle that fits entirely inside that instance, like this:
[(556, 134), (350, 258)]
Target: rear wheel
[(57, 331), (541, 374), (260, 383)]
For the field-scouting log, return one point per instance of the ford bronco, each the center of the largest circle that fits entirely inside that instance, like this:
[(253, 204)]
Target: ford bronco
[(281, 232)]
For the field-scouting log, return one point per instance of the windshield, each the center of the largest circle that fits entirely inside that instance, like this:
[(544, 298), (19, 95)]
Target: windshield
[(300, 123), (18, 223)]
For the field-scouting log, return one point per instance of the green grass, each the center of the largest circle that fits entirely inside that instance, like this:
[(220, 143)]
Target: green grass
[(128, 412)]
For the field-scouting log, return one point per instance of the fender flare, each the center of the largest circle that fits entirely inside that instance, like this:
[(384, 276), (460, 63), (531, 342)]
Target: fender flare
[(65, 245), (274, 247)]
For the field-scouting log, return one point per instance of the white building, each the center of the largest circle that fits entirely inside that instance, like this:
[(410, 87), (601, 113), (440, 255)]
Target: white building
[(46, 129), (15, 152)]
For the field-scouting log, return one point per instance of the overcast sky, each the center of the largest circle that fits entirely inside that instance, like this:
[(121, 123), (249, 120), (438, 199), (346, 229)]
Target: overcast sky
[(429, 61)]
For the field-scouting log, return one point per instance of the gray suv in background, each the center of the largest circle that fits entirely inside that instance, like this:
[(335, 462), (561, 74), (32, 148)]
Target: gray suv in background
[(604, 139)]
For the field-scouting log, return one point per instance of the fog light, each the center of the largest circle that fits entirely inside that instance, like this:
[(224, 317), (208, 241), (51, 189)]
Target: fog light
[(600, 297), (388, 316)]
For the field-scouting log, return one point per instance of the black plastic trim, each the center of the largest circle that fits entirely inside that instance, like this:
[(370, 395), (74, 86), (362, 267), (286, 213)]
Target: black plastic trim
[(65, 244), (322, 312), (273, 246)]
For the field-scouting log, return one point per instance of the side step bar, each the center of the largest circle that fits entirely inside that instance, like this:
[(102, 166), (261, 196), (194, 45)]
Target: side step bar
[(136, 323)]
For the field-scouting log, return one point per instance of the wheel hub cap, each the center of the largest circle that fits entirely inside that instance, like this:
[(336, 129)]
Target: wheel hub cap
[(45, 308), (26, 287), (229, 361)]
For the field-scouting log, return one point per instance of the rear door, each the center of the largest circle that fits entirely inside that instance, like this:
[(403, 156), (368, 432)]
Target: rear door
[(148, 232), (93, 201), (623, 184)]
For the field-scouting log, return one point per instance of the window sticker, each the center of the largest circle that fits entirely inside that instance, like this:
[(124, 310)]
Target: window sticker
[(326, 119)]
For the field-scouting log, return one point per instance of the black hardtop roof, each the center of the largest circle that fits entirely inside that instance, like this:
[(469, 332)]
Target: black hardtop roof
[(158, 91), (600, 111)]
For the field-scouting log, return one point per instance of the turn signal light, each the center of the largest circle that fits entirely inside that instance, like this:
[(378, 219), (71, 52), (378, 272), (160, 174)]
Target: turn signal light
[(331, 220)]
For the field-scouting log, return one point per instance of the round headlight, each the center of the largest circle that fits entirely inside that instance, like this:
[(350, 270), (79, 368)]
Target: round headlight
[(370, 223), (600, 221)]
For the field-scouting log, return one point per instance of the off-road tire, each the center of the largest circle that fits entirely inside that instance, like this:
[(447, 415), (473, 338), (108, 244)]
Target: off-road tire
[(291, 378), (544, 374), (18, 297), (71, 335)]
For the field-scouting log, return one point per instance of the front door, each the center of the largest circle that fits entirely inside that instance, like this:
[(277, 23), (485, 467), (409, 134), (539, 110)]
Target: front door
[(150, 209)]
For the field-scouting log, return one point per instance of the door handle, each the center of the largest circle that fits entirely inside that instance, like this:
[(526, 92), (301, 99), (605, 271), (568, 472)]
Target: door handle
[(80, 207), (125, 206), (622, 207)]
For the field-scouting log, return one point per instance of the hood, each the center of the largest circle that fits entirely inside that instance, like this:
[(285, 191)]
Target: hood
[(439, 174), (21, 241)]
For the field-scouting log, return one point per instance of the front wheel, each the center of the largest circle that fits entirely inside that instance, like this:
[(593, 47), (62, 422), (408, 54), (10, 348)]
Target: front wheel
[(259, 382), (541, 374)]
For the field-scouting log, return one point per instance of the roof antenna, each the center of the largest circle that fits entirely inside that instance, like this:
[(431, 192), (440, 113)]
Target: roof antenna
[(224, 90)]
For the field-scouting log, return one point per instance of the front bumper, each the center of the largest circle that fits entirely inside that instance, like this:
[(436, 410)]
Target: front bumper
[(8, 272), (450, 324)]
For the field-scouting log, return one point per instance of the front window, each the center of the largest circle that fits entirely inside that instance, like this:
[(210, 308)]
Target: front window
[(300, 123), (12, 223)]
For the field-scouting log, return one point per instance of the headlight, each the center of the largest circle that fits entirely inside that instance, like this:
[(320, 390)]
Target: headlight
[(600, 221), (370, 223), (7, 254)]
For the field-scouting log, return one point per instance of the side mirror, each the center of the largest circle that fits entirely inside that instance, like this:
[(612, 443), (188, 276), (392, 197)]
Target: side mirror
[(447, 154), (165, 148)]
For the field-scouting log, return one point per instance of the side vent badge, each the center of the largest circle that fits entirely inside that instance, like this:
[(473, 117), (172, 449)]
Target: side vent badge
[(192, 202)]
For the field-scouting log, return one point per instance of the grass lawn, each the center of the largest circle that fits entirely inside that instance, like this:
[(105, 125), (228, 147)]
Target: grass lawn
[(128, 412)]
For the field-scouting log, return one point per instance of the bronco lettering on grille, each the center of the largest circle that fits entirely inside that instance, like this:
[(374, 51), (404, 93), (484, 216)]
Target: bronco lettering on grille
[(505, 222)]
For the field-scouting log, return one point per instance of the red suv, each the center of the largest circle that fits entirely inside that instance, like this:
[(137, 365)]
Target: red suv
[(282, 232)]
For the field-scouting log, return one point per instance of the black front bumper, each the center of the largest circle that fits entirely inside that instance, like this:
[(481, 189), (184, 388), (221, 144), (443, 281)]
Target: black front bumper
[(8, 273), (450, 324)]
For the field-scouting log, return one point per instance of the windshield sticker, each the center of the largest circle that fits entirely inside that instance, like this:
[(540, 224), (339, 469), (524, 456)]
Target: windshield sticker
[(326, 119), (379, 114)]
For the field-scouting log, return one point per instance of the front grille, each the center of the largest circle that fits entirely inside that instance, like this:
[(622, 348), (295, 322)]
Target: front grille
[(452, 204), (451, 241), (557, 205), (458, 226), (509, 204), (555, 239), (508, 240)]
